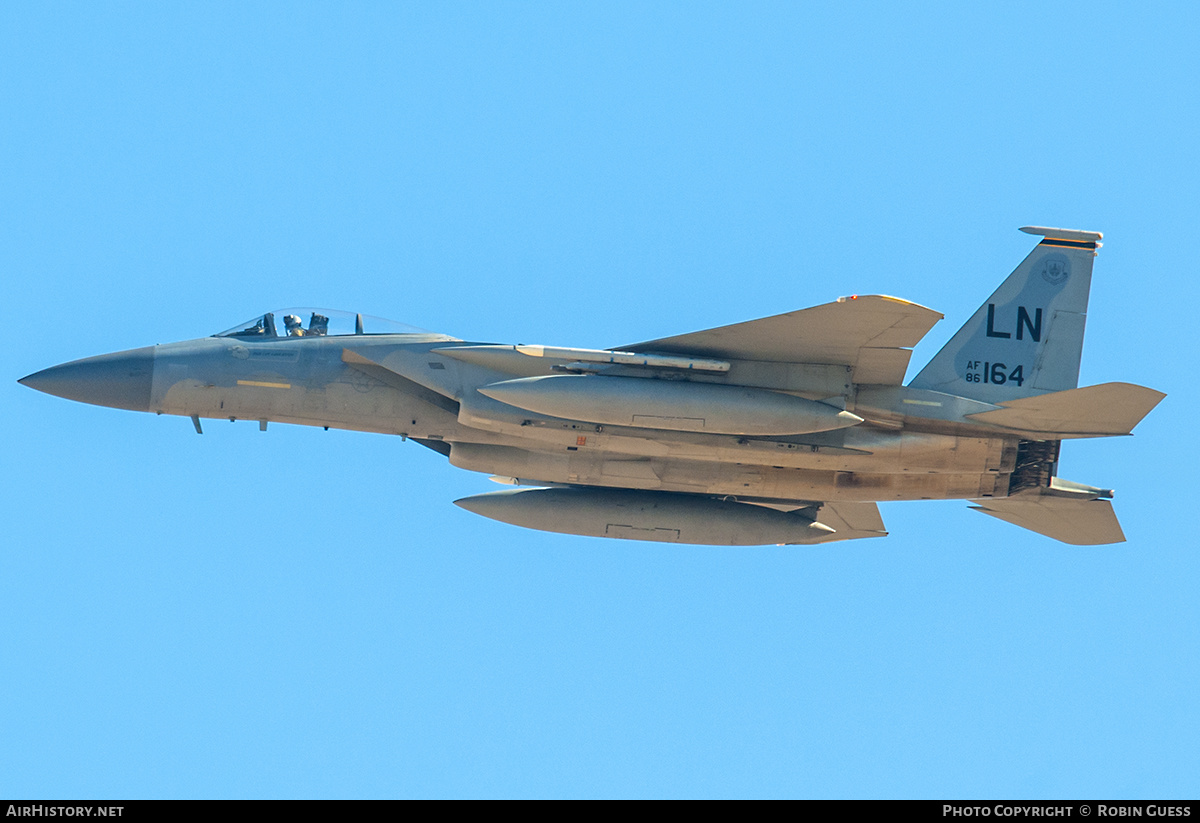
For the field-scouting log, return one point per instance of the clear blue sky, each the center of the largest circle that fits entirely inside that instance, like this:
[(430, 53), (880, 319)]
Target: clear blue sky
[(191, 616)]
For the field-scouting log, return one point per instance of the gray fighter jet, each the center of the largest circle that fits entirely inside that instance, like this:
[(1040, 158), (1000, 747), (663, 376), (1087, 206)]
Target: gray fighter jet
[(782, 430)]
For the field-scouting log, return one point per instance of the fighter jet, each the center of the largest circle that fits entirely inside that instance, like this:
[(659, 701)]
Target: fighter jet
[(784, 430)]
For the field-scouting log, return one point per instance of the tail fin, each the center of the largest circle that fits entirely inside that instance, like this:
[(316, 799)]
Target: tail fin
[(1027, 338)]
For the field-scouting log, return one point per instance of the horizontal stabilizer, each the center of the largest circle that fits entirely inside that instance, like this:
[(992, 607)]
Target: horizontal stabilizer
[(1078, 522), (871, 333), (1103, 410)]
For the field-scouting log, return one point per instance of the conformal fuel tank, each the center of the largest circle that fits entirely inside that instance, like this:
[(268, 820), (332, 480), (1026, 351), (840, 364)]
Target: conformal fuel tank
[(664, 517), (676, 405)]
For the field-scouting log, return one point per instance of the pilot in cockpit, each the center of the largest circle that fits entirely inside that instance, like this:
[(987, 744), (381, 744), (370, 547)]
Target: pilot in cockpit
[(294, 326)]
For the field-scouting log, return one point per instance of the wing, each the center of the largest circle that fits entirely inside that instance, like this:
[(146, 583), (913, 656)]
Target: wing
[(851, 521), (873, 334)]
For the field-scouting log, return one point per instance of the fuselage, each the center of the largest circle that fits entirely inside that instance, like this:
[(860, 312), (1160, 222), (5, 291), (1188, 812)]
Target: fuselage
[(401, 384)]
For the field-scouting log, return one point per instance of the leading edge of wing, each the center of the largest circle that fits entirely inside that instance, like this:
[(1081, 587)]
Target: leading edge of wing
[(872, 333)]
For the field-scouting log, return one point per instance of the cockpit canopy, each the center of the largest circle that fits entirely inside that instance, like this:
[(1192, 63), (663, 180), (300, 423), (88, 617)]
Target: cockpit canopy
[(311, 322)]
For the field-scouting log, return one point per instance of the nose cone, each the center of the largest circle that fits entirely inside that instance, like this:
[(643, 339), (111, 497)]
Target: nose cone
[(121, 380)]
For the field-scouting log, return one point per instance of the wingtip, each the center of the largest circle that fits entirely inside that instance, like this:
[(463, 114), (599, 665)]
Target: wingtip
[(916, 307)]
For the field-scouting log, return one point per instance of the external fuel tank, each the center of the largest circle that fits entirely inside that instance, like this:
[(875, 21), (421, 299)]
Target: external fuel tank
[(674, 405)]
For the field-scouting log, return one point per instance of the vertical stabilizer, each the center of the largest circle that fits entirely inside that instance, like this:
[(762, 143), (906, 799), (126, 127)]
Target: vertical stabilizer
[(1027, 338)]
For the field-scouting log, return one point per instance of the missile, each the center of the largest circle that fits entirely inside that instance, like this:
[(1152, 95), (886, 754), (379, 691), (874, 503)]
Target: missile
[(503, 357), (675, 405), (664, 517), (626, 358)]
